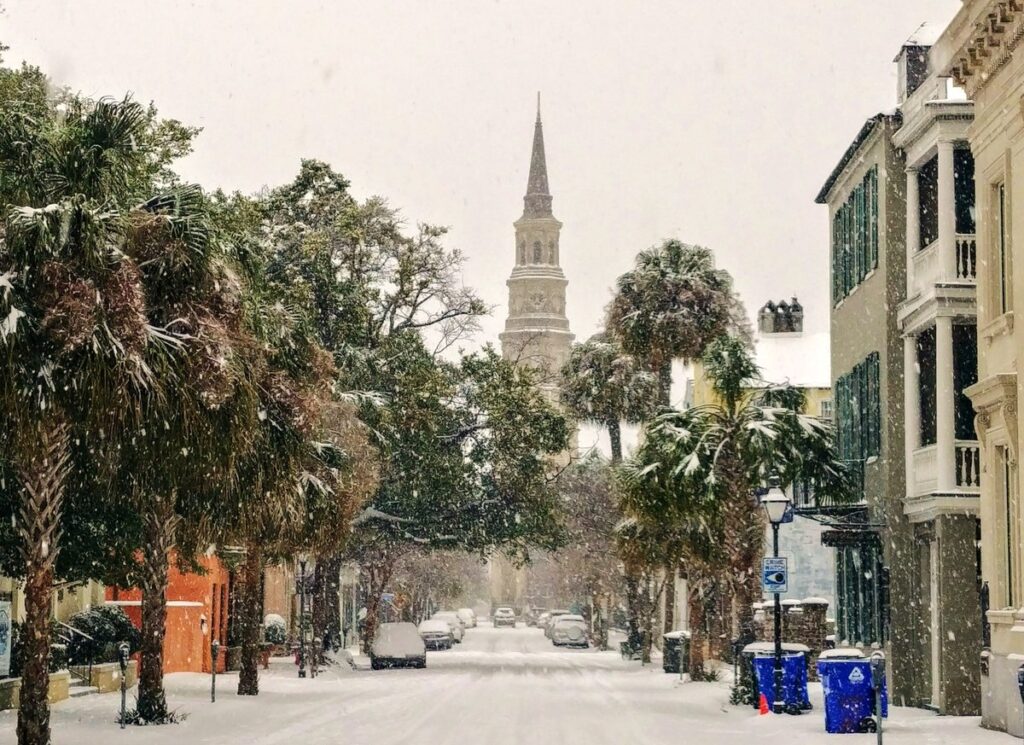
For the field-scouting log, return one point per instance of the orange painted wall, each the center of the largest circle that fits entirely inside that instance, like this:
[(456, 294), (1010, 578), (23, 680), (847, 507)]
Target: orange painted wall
[(197, 607)]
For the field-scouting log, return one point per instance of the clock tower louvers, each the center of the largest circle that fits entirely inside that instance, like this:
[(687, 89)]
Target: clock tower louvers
[(537, 329)]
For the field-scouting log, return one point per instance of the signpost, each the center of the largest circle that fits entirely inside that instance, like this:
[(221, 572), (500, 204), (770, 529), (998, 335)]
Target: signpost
[(774, 575)]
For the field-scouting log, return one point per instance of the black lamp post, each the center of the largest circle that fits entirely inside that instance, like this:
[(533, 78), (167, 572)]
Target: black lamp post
[(303, 559), (775, 504)]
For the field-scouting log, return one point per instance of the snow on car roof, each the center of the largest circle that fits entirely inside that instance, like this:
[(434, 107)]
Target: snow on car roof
[(434, 624), (569, 617)]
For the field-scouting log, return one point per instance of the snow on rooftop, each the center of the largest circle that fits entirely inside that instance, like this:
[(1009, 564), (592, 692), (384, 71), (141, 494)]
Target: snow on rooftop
[(927, 34), (801, 359)]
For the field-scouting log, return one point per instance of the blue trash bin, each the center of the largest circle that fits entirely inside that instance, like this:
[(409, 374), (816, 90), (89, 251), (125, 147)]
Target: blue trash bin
[(849, 695), (794, 680)]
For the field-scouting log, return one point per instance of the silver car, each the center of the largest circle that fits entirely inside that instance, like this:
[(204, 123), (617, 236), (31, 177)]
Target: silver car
[(569, 631)]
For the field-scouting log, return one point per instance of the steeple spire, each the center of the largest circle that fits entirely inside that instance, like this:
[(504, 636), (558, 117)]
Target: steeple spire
[(537, 202)]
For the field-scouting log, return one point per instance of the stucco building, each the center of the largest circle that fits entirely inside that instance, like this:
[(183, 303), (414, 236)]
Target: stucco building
[(873, 539), (981, 47), (937, 320)]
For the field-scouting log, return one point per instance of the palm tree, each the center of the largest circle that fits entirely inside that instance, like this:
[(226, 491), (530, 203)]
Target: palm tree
[(73, 332), (671, 305), (704, 463), (601, 384)]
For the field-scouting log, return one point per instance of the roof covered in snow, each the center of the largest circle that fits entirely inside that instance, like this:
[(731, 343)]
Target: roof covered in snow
[(925, 35), (803, 359)]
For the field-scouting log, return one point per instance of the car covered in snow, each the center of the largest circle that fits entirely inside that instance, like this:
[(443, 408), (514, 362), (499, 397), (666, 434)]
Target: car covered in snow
[(467, 616), (543, 619), (397, 645), (436, 634), (453, 620), (569, 630), (550, 625), (504, 616)]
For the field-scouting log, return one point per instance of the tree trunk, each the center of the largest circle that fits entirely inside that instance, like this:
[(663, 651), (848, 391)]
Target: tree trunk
[(633, 607), (670, 600), (615, 435), (159, 526), (317, 601), (665, 384), (379, 576), (249, 617), (698, 635), (599, 621), (42, 477), (332, 607)]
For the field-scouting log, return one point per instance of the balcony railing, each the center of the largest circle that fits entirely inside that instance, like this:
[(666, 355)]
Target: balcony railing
[(966, 464), (931, 268), (966, 257)]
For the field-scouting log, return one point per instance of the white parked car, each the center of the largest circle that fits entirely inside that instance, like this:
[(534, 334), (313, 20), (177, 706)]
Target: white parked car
[(458, 629), (569, 631), (467, 616), (397, 645), (550, 624), (436, 634), (504, 616)]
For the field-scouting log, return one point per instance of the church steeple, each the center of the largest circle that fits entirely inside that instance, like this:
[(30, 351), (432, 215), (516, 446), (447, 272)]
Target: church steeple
[(537, 202)]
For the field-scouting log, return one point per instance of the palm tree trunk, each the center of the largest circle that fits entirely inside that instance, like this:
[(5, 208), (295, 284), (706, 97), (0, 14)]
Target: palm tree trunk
[(249, 614), (160, 527), (698, 636), (633, 606), (665, 384), (379, 576), (670, 599), (317, 602), (615, 435), (332, 601), (42, 477)]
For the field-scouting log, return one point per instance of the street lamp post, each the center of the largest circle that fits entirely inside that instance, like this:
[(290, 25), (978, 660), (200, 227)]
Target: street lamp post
[(775, 504), (303, 559)]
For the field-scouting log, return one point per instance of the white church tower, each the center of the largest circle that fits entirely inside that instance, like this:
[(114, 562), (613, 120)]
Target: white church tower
[(537, 329)]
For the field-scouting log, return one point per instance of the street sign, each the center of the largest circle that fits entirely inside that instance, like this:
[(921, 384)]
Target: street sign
[(774, 575)]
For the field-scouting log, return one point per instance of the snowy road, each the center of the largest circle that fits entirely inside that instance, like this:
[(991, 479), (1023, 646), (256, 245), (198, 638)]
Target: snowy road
[(500, 687)]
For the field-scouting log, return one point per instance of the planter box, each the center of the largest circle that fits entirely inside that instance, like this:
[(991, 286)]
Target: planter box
[(106, 676), (233, 659), (10, 689)]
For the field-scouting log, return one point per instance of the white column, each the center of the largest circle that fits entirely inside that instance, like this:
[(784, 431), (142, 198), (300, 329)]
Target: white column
[(947, 211), (913, 227), (911, 408), (944, 402)]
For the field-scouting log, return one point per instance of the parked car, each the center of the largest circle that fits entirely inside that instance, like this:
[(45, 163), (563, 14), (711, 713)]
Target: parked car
[(555, 614), (532, 615), (569, 630), (504, 616), (436, 634), (467, 616), (543, 619), (458, 629), (397, 645)]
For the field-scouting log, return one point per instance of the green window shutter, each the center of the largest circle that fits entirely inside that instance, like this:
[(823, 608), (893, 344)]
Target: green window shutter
[(858, 235), (837, 294), (875, 402), (873, 193)]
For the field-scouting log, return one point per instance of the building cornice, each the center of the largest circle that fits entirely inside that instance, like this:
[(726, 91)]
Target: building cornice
[(985, 35), (859, 142)]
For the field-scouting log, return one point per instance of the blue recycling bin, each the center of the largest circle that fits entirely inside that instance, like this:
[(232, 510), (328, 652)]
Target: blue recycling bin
[(794, 680), (849, 695)]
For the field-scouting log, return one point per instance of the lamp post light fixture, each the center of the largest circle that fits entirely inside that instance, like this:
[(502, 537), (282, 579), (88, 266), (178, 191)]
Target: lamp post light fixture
[(775, 504), (303, 560)]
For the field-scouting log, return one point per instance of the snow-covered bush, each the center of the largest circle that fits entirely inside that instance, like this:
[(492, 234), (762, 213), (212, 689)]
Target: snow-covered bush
[(108, 626), (274, 629)]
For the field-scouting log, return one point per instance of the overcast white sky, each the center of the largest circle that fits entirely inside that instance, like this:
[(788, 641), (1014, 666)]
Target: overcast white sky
[(714, 121)]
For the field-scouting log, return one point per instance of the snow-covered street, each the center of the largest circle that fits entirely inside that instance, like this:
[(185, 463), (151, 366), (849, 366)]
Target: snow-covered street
[(501, 686)]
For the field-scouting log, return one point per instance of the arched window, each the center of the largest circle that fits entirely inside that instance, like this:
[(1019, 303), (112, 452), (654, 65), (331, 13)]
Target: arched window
[(522, 252), (551, 252), (536, 252)]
